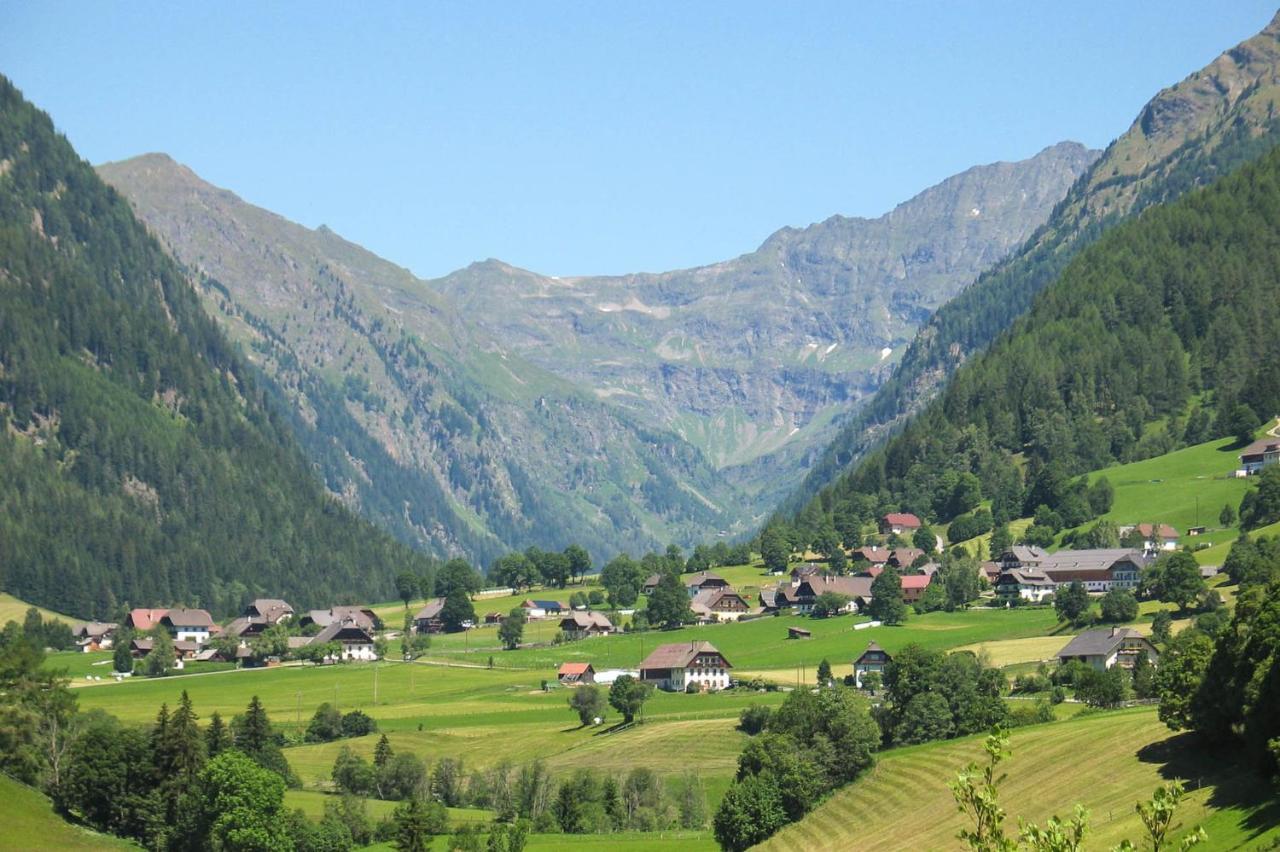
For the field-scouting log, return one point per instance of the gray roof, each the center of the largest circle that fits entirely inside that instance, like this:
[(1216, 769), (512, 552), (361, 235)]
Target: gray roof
[(1092, 643), (1090, 560), (854, 587), (338, 631), (431, 610)]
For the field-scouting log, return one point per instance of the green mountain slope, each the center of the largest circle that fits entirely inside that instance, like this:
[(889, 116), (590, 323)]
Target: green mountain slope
[(139, 460), (750, 358), (1188, 135), (416, 418), (1148, 341)]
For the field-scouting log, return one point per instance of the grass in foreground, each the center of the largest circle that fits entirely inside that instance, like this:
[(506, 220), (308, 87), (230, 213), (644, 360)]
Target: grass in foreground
[(30, 823), (1106, 761)]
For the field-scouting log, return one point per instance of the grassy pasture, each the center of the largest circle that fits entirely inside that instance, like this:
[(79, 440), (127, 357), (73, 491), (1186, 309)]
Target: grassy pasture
[(12, 609), (30, 823), (761, 644), (905, 801), (660, 841)]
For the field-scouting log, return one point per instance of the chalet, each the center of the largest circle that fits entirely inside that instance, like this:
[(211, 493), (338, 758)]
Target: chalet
[(1259, 455), (990, 571), (1030, 584), (355, 639), (494, 617), (575, 674), (245, 628), (193, 625), (803, 572), (94, 635), (1115, 646), (1157, 537), (704, 581), (871, 555), (183, 649), (363, 616), (268, 610), (144, 620), (580, 625), (913, 586), (650, 583), (719, 605), (769, 600), (899, 523), (683, 664), (799, 633), (1021, 556), (856, 589), (904, 557), (874, 659), (535, 610), (427, 619)]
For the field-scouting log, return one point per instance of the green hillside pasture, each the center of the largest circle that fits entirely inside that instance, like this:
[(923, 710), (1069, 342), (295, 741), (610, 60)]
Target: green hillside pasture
[(658, 841), (1166, 488), (78, 665), (12, 609), (30, 823), (762, 644), (480, 716), (1107, 762)]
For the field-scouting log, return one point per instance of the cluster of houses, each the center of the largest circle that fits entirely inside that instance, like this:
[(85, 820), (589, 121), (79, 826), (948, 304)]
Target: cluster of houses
[(711, 597), (809, 582), (351, 628)]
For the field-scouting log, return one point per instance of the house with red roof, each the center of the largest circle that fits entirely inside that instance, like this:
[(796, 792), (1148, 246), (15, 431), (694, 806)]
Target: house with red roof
[(899, 523), (143, 620), (913, 586), (576, 674)]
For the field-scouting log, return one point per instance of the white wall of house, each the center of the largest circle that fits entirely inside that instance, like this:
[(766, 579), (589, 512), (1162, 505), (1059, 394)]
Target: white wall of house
[(199, 635), (358, 651), (705, 678)]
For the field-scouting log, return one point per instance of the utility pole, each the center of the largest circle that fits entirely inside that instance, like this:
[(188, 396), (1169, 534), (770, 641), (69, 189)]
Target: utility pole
[(298, 715), (375, 682)]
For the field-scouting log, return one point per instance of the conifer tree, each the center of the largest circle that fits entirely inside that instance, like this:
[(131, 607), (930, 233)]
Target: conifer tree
[(217, 737), (382, 752)]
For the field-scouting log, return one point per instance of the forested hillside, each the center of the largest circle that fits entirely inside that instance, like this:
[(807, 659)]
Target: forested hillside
[(1187, 136), (1163, 333), (139, 462)]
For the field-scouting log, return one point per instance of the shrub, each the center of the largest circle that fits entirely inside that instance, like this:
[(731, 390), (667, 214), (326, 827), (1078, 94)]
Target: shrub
[(753, 719), (358, 724)]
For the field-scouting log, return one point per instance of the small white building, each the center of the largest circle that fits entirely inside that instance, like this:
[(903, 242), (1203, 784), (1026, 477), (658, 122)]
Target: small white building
[(681, 664), (188, 625)]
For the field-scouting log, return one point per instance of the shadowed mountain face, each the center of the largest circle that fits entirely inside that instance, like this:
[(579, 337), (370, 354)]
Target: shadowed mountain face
[(750, 359), (496, 408), (411, 415), (1187, 136)]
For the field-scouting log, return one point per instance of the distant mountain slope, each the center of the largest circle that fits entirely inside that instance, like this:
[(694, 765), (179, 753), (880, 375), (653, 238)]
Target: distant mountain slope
[(1155, 337), (414, 416), (139, 461), (750, 358), (1188, 135)]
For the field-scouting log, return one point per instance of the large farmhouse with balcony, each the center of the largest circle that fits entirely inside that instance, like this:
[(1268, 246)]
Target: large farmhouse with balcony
[(1115, 646), (683, 664), (1038, 575)]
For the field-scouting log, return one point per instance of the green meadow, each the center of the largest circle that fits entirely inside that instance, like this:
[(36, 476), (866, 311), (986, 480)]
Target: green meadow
[(904, 802)]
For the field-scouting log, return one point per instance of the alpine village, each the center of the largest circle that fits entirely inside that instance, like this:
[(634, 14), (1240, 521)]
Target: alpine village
[(299, 551)]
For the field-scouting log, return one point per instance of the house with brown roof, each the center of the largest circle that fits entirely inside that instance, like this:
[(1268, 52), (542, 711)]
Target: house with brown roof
[(191, 625), (873, 659), (899, 523), (1155, 537), (904, 557), (356, 642), (703, 581), (1027, 583), (719, 605), (1258, 455), (857, 589), (1115, 646), (576, 674), (679, 665), (427, 619), (94, 635), (580, 625), (268, 610), (650, 583), (871, 555), (361, 615)]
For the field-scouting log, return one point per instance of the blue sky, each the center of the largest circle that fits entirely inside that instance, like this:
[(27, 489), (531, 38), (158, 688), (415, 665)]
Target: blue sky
[(577, 138)]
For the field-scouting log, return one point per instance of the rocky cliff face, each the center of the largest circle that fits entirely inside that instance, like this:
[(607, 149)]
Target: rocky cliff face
[(410, 413), (751, 359), (496, 408)]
